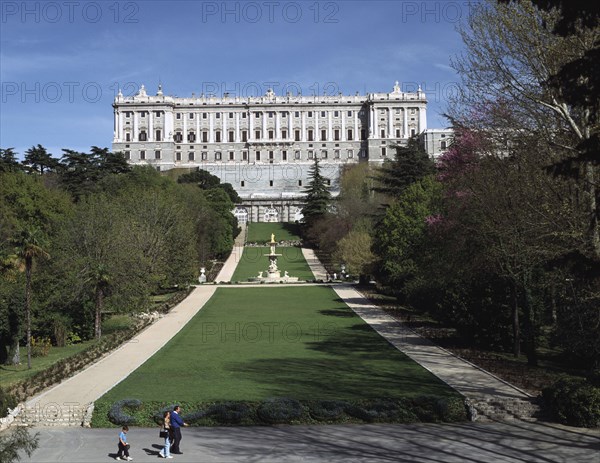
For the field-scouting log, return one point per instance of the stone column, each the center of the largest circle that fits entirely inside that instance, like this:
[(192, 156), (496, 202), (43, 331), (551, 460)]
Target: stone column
[(343, 134), (135, 126), (237, 137), (115, 126), (330, 126), (356, 132), (303, 131), (277, 125), (405, 128), (185, 134), (150, 126), (211, 127), (264, 128), (168, 126), (250, 126), (422, 119), (317, 129), (390, 124)]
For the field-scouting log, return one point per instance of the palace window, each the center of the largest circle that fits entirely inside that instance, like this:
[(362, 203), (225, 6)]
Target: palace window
[(244, 135), (271, 134), (231, 135), (157, 113), (128, 155), (383, 151), (363, 134), (296, 135), (127, 136), (191, 115), (257, 134), (158, 135), (284, 114), (218, 115), (204, 115), (310, 114), (336, 135), (297, 113), (143, 136), (243, 115), (336, 114), (271, 155), (322, 113), (299, 182), (242, 184), (204, 156), (218, 156), (244, 156), (350, 154), (336, 154), (284, 155), (397, 133), (218, 136), (143, 114), (270, 182), (178, 116), (310, 135), (143, 154), (443, 145), (284, 134), (382, 133), (157, 154), (191, 156), (257, 154), (231, 155), (323, 135), (311, 154), (297, 154), (230, 115), (178, 156), (205, 136), (178, 138), (350, 134), (191, 137), (349, 113), (323, 154)]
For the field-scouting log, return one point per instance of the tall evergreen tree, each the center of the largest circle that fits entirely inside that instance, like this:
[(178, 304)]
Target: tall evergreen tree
[(318, 197), (8, 160), (38, 159), (411, 165)]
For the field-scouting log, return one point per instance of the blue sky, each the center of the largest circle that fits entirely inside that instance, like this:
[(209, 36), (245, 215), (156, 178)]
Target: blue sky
[(61, 63)]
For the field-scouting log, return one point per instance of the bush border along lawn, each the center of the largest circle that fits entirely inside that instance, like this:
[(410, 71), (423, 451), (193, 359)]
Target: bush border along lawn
[(315, 350), (285, 410)]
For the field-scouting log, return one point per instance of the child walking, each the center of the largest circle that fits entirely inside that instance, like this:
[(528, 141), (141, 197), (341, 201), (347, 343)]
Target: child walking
[(123, 445)]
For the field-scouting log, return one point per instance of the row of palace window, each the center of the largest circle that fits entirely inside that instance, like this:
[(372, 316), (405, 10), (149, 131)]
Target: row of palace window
[(191, 136), (272, 183), (271, 114), (191, 156)]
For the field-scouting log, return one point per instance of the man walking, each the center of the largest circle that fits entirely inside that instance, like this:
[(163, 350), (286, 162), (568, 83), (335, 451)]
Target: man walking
[(176, 424)]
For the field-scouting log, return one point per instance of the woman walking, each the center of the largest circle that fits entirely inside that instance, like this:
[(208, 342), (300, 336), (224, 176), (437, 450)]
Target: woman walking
[(165, 452)]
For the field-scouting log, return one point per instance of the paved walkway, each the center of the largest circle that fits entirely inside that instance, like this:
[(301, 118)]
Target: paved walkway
[(315, 265), (516, 442), (463, 376), (231, 263)]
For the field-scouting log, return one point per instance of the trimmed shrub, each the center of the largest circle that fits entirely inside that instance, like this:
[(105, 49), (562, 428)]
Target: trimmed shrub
[(280, 410), (381, 410), (451, 410), (229, 412), (573, 401), (116, 415), (194, 417), (326, 410)]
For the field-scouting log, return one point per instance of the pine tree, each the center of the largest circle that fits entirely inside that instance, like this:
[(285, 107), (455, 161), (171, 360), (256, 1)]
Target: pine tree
[(318, 196)]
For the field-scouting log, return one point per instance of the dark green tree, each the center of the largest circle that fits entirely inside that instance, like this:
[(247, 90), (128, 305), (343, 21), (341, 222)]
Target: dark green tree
[(318, 197), (8, 160), (39, 160), (410, 165)]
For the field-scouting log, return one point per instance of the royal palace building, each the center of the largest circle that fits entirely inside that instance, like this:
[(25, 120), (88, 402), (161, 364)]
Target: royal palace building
[(264, 146)]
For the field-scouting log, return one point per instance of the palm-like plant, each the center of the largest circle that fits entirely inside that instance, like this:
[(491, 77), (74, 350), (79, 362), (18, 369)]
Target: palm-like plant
[(29, 244)]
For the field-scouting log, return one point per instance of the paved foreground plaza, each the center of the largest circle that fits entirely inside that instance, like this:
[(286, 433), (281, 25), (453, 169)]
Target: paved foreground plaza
[(426, 443)]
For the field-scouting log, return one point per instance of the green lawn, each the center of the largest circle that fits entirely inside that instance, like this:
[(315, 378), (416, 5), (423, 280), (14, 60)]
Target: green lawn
[(10, 374), (254, 261), (254, 343), (260, 232)]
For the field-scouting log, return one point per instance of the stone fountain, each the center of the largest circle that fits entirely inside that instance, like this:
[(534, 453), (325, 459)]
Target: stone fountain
[(273, 274)]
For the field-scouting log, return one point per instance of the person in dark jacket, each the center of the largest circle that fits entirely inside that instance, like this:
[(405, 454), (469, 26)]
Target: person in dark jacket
[(176, 424)]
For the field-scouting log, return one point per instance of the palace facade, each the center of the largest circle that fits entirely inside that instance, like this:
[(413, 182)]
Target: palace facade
[(264, 146)]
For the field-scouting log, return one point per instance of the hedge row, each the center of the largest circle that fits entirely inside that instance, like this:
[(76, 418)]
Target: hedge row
[(573, 401), (284, 410), (66, 367)]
